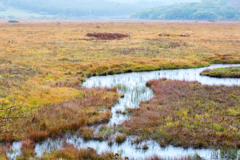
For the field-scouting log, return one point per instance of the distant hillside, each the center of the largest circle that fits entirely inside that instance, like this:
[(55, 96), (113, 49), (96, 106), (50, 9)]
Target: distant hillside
[(8, 12), (80, 8), (70, 7), (207, 10), (115, 9)]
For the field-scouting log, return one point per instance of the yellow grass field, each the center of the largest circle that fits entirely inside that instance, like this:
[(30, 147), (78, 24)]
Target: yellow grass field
[(47, 61)]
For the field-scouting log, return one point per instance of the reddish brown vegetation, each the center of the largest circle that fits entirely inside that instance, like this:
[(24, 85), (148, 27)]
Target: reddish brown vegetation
[(120, 138), (108, 36), (164, 34), (70, 152), (3, 153), (28, 148), (90, 108), (86, 132), (188, 114)]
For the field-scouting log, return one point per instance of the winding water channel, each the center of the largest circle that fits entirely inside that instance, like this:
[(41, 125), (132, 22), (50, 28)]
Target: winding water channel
[(132, 85)]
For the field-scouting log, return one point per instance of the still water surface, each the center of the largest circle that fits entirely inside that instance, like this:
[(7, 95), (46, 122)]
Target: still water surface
[(132, 85)]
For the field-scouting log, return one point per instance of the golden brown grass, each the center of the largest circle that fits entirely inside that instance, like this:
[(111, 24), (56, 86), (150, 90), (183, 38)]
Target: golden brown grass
[(27, 149), (188, 114), (41, 71), (46, 54), (72, 153), (90, 108), (120, 138)]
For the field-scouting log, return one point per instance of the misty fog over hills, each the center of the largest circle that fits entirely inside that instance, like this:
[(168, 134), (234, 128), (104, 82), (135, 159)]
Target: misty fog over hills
[(115, 9), (203, 10), (83, 8), (206, 10)]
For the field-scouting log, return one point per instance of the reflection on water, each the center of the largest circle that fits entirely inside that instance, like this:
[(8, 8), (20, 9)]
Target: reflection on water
[(126, 149), (132, 85)]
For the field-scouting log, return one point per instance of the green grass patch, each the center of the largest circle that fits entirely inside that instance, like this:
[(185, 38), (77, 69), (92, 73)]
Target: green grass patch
[(230, 72)]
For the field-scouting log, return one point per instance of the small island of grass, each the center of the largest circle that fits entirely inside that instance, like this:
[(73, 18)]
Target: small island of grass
[(230, 72)]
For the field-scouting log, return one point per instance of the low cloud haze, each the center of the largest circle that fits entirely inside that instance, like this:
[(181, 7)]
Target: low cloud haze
[(115, 9)]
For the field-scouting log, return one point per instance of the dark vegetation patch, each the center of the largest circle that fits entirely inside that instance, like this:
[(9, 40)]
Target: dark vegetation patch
[(230, 72), (174, 35), (223, 59), (13, 21), (188, 114), (108, 36), (81, 39), (91, 107)]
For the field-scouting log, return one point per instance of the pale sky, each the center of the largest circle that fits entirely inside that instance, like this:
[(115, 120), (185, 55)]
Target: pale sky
[(179, 1)]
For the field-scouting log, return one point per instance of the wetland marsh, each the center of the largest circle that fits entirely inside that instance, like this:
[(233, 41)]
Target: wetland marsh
[(43, 69)]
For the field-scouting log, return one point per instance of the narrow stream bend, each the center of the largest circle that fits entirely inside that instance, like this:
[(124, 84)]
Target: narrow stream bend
[(132, 85)]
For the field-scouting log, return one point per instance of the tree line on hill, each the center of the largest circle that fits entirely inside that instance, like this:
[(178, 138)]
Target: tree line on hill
[(166, 10), (205, 10), (79, 8)]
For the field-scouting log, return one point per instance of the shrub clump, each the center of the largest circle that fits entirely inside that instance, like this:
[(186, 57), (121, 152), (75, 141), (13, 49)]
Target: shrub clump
[(13, 21), (120, 138), (108, 36)]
